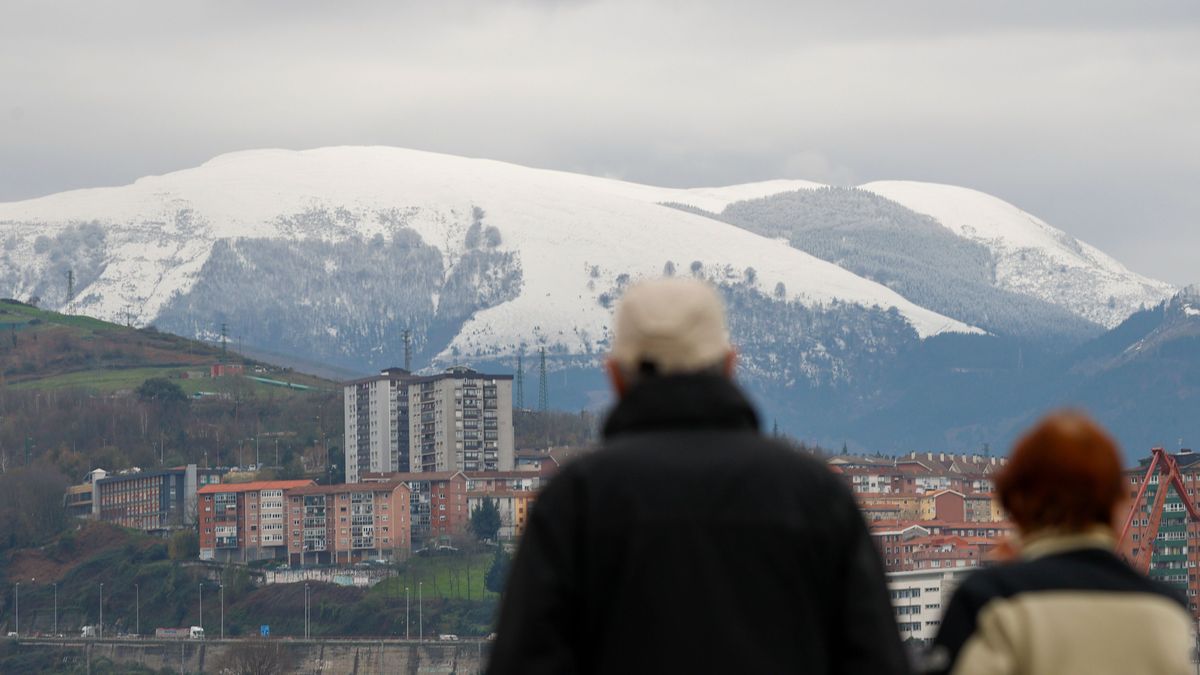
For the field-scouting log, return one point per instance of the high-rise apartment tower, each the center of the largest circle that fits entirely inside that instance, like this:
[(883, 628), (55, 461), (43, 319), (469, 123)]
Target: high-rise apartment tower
[(461, 420), (458, 420), (376, 410)]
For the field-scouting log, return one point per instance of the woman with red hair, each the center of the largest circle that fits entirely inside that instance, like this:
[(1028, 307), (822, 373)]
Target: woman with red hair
[(1068, 604)]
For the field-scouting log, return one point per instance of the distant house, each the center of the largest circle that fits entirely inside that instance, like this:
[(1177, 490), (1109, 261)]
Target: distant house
[(224, 369)]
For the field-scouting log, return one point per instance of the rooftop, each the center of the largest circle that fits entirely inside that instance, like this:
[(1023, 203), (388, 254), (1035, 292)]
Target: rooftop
[(253, 486)]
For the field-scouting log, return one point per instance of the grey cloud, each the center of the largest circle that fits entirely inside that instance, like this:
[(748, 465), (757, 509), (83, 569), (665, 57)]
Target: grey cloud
[(1084, 113)]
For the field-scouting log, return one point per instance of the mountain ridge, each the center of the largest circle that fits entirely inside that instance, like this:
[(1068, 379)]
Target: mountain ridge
[(177, 227), (859, 318)]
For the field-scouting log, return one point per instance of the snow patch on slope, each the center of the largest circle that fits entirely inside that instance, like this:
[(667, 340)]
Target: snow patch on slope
[(561, 225), (1033, 258)]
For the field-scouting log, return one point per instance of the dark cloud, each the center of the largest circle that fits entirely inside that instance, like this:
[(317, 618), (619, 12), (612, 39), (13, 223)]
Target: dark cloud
[(1083, 112)]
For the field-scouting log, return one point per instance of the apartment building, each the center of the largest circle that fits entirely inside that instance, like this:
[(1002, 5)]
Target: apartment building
[(918, 473), (153, 500), (513, 505), (244, 522), (461, 420), (1175, 554), (350, 523), (376, 424), (458, 420), (78, 500), (920, 598), (440, 502)]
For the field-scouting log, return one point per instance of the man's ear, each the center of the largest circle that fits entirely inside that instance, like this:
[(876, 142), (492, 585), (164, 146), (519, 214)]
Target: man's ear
[(730, 363), (616, 378)]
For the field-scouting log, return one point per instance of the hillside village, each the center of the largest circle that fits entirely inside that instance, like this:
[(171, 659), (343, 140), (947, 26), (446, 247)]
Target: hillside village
[(401, 474)]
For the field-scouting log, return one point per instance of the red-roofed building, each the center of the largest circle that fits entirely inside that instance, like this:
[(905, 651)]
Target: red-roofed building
[(349, 523), (244, 521), (936, 544), (944, 505), (226, 369), (441, 502), (438, 512)]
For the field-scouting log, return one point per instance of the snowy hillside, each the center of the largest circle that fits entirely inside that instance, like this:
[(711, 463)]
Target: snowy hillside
[(570, 242), (857, 312), (1033, 258)]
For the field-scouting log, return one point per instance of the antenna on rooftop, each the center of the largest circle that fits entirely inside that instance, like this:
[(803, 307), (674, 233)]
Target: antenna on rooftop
[(408, 350), (520, 380), (543, 397)]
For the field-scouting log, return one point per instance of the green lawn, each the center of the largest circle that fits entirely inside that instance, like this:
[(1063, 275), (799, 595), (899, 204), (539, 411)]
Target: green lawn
[(22, 314), (457, 577), (114, 379), (101, 380)]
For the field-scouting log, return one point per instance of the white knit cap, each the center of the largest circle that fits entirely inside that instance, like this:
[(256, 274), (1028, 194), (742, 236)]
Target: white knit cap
[(675, 324)]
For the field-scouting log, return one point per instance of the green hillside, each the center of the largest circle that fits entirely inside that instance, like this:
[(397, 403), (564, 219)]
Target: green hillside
[(40, 349), (144, 583), (77, 393)]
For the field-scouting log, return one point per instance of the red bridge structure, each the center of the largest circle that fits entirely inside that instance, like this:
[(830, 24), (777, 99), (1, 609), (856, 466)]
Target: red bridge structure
[(1164, 548)]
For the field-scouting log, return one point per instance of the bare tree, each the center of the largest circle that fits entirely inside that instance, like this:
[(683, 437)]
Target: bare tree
[(256, 657)]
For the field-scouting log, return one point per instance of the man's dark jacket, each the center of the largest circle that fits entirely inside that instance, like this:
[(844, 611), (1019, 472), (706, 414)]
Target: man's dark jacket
[(690, 543)]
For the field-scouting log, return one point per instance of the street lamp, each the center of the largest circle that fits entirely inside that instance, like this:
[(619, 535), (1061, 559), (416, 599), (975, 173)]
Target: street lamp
[(406, 634), (222, 589), (17, 603), (101, 631), (306, 611), (55, 610), (137, 610), (202, 607), (420, 612)]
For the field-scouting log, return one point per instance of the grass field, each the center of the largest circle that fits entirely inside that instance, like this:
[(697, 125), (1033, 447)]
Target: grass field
[(457, 577), (14, 313), (104, 380), (117, 379), (47, 351)]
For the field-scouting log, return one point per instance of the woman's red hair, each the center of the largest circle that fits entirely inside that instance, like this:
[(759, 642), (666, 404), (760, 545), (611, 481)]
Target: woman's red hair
[(1064, 474)]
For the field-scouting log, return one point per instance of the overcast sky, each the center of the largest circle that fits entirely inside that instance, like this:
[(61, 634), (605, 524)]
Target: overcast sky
[(1086, 113)]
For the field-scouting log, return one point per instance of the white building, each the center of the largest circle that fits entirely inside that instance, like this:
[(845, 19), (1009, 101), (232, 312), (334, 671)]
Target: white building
[(920, 597), (461, 420), (376, 421)]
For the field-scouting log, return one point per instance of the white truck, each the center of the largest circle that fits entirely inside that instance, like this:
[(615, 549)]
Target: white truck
[(88, 632), (193, 633)]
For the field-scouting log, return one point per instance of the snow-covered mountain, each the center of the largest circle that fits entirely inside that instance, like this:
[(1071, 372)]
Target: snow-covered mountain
[(547, 251), (330, 253), (956, 251), (897, 314), (1033, 258)]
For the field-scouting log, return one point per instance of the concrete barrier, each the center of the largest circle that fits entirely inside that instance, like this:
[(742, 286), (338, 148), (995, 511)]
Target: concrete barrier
[(356, 656)]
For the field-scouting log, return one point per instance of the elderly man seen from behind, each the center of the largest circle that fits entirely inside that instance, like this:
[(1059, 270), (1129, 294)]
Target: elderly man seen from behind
[(689, 542)]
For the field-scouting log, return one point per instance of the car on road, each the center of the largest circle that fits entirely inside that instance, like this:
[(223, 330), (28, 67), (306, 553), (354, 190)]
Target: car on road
[(448, 637)]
